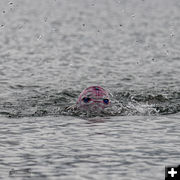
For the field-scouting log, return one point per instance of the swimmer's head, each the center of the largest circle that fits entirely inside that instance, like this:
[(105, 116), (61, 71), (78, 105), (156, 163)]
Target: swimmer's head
[(93, 98)]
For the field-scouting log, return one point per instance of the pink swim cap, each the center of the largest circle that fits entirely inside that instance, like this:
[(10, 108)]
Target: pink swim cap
[(93, 98)]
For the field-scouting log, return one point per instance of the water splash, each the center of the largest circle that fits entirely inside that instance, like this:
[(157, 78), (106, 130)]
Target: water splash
[(123, 103)]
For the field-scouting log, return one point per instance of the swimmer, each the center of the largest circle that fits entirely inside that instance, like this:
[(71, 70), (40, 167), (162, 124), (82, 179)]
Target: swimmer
[(92, 99)]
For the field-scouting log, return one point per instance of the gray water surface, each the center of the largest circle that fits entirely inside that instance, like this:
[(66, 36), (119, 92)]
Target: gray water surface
[(50, 50), (131, 147)]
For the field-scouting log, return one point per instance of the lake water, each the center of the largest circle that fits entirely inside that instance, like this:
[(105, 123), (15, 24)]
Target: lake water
[(51, 50)]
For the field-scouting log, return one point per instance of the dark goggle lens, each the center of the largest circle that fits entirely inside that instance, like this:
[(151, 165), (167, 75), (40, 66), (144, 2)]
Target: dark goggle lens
[(86, 99), (106, 101)]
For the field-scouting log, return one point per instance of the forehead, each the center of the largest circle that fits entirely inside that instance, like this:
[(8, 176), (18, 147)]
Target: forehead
[(94, 91)]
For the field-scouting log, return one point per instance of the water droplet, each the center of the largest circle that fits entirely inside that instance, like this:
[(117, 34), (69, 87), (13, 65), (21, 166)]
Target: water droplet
[(20, 27), (167, 52), (45, 19), (39, 36)]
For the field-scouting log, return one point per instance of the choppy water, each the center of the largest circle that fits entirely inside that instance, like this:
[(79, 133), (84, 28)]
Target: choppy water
[(51, 50)]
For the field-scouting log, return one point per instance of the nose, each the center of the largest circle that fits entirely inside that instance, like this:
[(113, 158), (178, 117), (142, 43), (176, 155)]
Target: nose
[(97, 105)]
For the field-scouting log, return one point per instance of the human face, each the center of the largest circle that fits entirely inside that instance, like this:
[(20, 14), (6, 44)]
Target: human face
[(93, 98)]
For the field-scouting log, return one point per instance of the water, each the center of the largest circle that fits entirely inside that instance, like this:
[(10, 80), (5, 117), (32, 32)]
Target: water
[(51, 50)]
